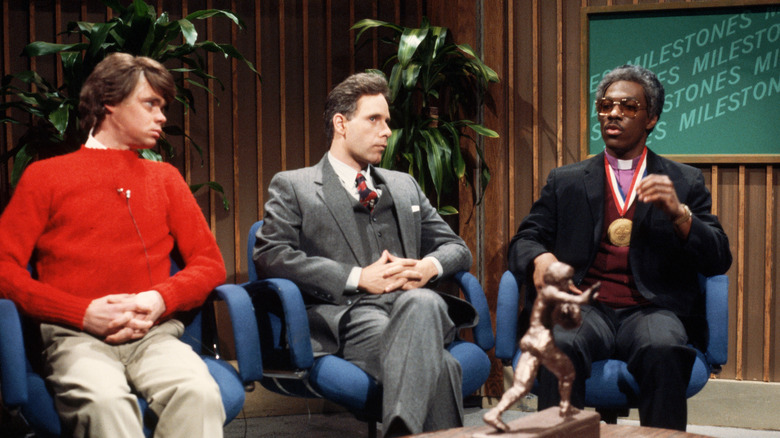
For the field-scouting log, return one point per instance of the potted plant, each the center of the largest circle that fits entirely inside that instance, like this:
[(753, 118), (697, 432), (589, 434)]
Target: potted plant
[(52, 127), (436, 86)]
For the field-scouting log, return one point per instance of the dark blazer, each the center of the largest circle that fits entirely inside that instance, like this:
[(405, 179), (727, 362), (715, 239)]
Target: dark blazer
[(567, 220), (310, 236)]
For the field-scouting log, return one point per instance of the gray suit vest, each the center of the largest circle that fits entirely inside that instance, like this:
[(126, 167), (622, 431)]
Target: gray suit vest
[(378, 230)]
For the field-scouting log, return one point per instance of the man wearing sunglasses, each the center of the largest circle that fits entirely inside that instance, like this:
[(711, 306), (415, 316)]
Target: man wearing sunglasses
[(641, 225)]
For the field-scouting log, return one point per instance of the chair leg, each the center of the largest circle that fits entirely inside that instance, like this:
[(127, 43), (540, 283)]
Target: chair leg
[(371, 429), (610, 416)]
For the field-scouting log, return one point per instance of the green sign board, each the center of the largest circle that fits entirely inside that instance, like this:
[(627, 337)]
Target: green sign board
[(720, 68)]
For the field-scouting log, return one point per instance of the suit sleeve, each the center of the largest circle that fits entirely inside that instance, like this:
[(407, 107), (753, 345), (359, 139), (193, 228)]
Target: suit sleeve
[(536, 234), (278, 252), (438, 240), (707, 244)]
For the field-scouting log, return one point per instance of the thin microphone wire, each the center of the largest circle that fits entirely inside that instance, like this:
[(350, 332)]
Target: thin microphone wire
[(138, 230)]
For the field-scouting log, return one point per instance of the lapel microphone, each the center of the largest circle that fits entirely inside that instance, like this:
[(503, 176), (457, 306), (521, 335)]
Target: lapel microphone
[(122, 191)]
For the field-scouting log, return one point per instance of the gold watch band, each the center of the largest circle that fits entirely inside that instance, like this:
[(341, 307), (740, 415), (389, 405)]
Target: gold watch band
[(684, 217)]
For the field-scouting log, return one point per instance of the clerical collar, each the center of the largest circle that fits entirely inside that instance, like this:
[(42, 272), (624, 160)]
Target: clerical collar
[(618, 164)]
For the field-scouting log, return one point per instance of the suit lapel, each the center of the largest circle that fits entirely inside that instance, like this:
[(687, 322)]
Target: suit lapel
[(653, 166), (403, 210), (594, 188), (336, 199)]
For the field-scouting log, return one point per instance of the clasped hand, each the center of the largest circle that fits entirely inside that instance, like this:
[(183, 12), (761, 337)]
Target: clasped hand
[(121, 318), (390, 273)]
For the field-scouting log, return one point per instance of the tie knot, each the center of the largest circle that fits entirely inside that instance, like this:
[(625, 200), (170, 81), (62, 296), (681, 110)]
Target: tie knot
[(367, 196), (360, 178)]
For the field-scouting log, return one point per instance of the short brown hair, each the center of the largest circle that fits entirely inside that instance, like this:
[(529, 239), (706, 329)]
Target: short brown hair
[(113, 79), (343, 99)]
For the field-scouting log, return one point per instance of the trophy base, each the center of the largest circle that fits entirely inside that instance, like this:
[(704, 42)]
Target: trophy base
[(548, 424)]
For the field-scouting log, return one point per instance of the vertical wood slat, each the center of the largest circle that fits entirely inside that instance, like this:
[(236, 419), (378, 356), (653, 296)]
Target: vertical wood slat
[(32, 37), (306, 102), (351, 37), (58, 38), (187, 123), (329, 44), (374, 39), (535, 63), (510, 106), (259, 111), (559, 83), (211, 134), (282, 87), (768, 277), (235, 136), (714, 190), (9, 137), (740, 258)]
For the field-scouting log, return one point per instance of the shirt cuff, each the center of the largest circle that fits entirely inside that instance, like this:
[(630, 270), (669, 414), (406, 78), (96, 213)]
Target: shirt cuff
[(353, 280), (436, 263)]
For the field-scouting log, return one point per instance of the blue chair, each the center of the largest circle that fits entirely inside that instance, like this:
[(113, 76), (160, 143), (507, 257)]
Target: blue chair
[(290, 368), (611, 389), (24, 391)]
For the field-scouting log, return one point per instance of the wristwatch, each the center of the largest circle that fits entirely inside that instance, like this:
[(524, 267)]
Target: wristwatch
[(685, 216)]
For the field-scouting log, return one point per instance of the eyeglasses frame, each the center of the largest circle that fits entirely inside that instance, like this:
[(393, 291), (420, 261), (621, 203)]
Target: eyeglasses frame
[(620, 103)]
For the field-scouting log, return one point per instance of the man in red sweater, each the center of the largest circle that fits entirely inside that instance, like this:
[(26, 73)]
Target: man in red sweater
[(98, 225)]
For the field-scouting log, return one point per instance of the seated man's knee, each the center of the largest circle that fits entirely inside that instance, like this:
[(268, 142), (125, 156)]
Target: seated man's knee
[(422, 298), (206, 391), (101, 407)]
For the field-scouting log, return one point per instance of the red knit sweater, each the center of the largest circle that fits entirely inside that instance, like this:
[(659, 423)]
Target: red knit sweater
[(68, 215)]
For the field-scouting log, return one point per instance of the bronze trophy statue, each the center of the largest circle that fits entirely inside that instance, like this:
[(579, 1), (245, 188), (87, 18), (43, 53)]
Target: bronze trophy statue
[(553, 305)]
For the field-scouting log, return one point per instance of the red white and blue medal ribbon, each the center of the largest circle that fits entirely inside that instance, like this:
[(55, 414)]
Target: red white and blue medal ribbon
[(619, 231)]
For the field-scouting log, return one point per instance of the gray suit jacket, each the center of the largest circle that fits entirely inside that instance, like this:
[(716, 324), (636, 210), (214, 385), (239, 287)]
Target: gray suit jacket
[(310, 236)]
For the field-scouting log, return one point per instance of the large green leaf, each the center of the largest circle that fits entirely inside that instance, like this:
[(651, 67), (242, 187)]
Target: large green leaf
[(447, 210), (410, 41), (213, 186), (22, 158), (411, 74), (97, 36), (481, 130), (208, 13), (150, 154), (188, 31), (432, 149), (59, 117), (390, 151), (366, 24), (41, 48)]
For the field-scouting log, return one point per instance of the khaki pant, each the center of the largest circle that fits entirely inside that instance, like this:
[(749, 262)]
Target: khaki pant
[(95, 384)]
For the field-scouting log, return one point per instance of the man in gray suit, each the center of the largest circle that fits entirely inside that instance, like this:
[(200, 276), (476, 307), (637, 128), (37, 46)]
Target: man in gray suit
[(362, 243)]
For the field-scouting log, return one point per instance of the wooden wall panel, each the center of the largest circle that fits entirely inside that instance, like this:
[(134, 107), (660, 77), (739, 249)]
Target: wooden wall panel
[(251, 130)]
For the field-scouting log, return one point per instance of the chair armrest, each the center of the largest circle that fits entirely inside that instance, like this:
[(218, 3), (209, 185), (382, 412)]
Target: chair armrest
[(245, 334), (506, 316), (296, 321), (472, 291), (717, 290), (13, 362)]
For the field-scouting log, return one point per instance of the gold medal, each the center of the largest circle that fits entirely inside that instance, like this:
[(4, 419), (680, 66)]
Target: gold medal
[(619, 232)]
